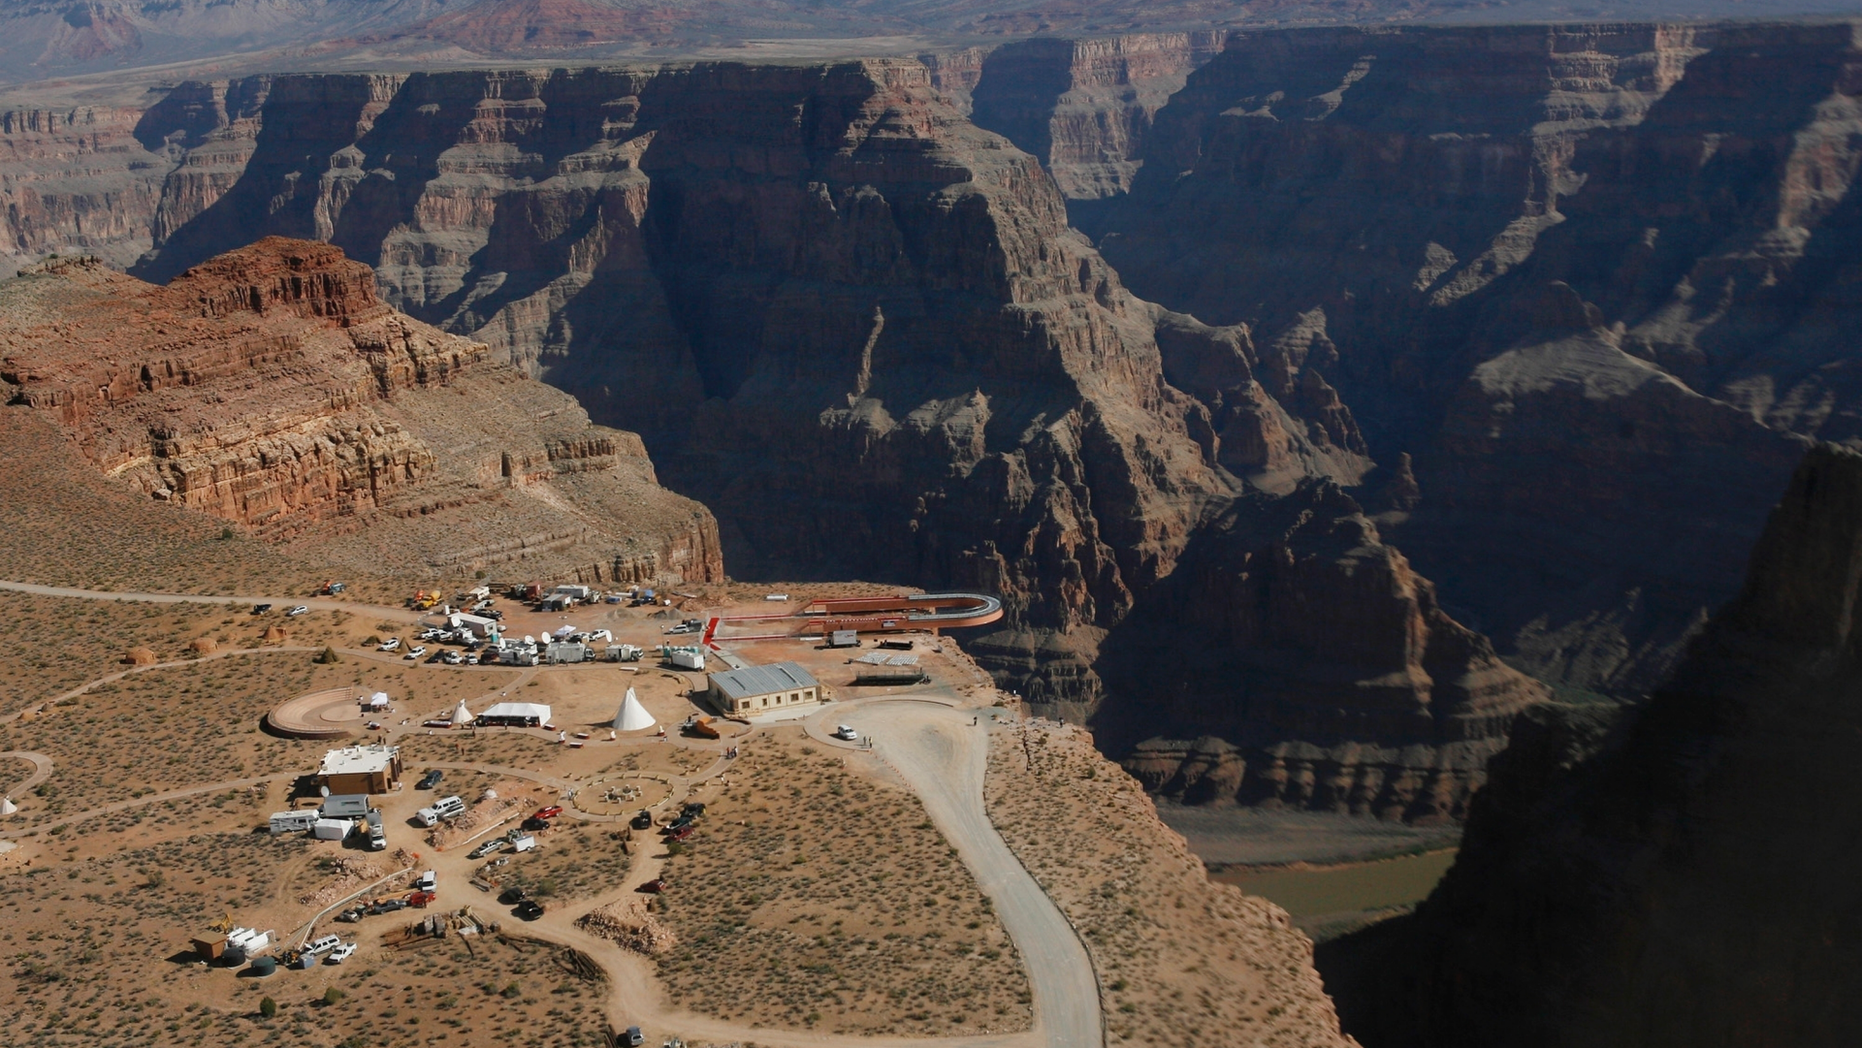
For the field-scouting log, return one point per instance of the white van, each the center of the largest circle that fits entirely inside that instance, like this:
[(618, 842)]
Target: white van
[(444, 808)]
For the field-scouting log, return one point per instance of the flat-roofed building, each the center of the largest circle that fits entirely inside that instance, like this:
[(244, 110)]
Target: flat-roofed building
[(361, 769), (754, 690)]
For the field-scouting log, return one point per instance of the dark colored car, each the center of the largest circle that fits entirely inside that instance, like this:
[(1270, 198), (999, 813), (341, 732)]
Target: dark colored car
[(654, 886), (512, 896), (529, 909), (429, 780), (693, 808), (260, 609), (677, 824), (642, 821), (533, 824)]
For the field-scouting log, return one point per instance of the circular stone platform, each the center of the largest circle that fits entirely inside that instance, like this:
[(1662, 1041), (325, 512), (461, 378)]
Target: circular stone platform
[(622, 794), (328, 714)]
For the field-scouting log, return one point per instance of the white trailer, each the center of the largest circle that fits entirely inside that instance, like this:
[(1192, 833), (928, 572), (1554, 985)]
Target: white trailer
[(292, 821)]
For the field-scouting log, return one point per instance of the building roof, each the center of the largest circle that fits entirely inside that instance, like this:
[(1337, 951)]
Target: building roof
[(762, 680), (518, 709), (354, 760)]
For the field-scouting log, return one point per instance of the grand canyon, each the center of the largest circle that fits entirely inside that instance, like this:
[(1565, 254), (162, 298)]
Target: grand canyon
[(1388, 427)]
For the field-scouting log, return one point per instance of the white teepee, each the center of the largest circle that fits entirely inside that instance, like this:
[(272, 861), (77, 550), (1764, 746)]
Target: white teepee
[(461, 715), (7, 807), (633, 716)]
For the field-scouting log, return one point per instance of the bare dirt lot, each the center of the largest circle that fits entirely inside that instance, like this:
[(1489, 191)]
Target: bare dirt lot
[(820, 895)]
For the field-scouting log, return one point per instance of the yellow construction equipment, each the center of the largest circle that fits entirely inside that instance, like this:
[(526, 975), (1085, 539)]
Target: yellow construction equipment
[(223, 925)]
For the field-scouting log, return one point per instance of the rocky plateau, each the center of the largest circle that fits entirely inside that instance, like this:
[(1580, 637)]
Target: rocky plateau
[(271, 388)]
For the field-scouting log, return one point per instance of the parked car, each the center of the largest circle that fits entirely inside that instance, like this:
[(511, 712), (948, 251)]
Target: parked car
[(324, 944), (692, 808), (390, 644), (512, 896), (260, 609), (342, 953), (486, 848), (430, 779), (632, 1038), (452, 658), (600, 635), (842, 731), (680, 834), (533, 824), (299, 610), (548, 813), (415, 652), (654, 886), (642, 821), (529, 909)]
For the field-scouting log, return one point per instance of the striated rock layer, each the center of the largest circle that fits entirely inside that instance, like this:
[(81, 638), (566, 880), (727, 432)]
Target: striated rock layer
[(1592, 278), (270, 387), (1323, 669), (1676, 875)]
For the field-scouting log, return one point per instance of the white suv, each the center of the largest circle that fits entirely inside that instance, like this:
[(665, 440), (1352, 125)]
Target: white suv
[(390, 644)]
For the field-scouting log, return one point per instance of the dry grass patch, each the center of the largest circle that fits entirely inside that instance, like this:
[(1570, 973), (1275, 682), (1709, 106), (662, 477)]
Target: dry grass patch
[(94, 956), (813, 896), (1181, 961)]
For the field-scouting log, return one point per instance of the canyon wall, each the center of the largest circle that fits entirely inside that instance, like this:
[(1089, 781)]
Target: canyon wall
[(1591, 279), (272, 388), (1677, 875)]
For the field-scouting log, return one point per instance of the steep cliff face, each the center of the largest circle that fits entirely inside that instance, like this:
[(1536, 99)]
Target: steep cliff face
[(1589, 277), (1678, 879), (75, 180), (1324, 667), (824, 272), (272, 388), (1084, 106)]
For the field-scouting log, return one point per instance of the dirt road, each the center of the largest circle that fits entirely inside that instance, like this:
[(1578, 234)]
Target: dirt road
[(943, 757), (313, 603)]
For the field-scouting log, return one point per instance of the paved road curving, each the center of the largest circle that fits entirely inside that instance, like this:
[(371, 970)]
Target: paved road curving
[(943, 757)]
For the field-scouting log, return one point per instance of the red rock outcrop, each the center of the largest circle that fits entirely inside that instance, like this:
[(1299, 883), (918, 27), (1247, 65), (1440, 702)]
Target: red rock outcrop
[(1663, 876), (272, 388)]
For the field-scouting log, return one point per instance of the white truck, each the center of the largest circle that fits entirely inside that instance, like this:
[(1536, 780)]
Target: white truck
[(444, 808)]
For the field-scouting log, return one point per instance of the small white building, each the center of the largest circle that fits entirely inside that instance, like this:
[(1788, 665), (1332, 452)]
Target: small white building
[(478, 624), (764, 689)]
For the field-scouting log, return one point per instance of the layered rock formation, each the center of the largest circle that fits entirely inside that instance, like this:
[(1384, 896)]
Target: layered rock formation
[(824, 271), (1083, 106), (272, 388), (1589, 277), (1677, 876), (1323, 665)]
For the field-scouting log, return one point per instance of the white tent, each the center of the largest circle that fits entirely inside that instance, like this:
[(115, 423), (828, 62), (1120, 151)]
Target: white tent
[(461, 715), (633, 716), (7, 807)]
